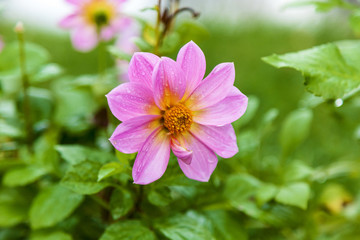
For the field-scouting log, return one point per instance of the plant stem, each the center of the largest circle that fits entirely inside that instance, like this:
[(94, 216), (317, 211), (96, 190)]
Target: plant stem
[(157, 28), (102, 60), (25, 85)]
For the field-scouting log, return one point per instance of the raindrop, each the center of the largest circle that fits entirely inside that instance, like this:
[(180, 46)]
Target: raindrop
[(339, 102)]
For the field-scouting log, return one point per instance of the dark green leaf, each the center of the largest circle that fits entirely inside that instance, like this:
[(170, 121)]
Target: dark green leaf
[(82, 178), (121, 202), (49, 235), (110, 169), (160, 196), (53, 205), (128, 230)]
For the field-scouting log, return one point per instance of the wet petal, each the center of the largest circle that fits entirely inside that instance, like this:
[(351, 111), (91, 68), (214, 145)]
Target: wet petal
[(141, 68), (129, 100), (203, 162), (130, 135), (193, 63), (214, 88), (224, 112), (84, 38), (221, 140), (180, 151), (168, 83), (152, 159)]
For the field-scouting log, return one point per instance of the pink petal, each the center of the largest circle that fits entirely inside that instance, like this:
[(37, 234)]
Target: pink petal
[(84, 38), (130, 135), (181, 151), (203, 161), (224, 112), (71, 21), (107, 33), (152, 159), (141, 68), (193, 63), (221, 140), (76, 2), (214, 88), (168, 83), (130, 100)]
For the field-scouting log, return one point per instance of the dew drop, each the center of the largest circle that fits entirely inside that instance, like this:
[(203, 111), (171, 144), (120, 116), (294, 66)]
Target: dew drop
[(338, 102)]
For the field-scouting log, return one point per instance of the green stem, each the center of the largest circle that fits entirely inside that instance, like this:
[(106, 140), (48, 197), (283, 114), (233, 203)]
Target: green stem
[(102, 60), (25, 84)]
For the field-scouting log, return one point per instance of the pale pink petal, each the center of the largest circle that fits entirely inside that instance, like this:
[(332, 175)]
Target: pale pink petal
[(1, 44), (168, 83), (152, 159), (203, 162), (226, 111), (141, 68), (71, 21), (84, 38), (125, 41), (181, 151), (107, 33), (76, 2), (192, 61), (129, 100), (214, 88), (130, 135), (221, 140)]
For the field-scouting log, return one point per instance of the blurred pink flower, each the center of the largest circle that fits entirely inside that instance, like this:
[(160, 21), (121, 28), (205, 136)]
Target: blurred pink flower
[(126, 44), (93, 21), (167, 105)]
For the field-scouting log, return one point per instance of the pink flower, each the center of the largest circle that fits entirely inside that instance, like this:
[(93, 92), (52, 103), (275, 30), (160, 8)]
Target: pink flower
[(167, 105), (93, 21)]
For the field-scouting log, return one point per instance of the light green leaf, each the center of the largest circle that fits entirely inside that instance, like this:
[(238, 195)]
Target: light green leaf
[(265, 193), (295, 129), (49, 235), (187, 226), (253, 105), (297, 170), (294, 194), (46, 73), (23, 175), (121, 202), (82, 178), (9, 129), (128, 230), (53, 205), (240, 187), (321, 5), (326, 68), (110, 169)]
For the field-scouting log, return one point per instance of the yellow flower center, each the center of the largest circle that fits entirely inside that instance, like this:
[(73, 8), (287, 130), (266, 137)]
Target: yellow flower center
[(98, 12), (177, 119)]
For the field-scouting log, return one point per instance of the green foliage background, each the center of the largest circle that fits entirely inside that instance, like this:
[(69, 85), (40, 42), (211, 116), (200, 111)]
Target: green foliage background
[(296, 175)]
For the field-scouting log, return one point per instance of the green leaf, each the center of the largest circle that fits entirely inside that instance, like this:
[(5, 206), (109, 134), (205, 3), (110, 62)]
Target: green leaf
[(297, 171), (53, 205), (121, 202), (226, 226), (240, 187), (327, 71), (119, 53), (186, 226), (321, 5), (265, 193), (75, 154), (9, 129), (192, 30), (82, 178), (253, 105), (110, 169), (295, 129), (49, 235), (128, 230), (35, 55), (13, 206), (23, 175), (46, 73), (294, 194), (160, 196)]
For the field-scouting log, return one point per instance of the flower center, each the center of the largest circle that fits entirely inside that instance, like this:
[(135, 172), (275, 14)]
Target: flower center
[(99, 12), (177, 119)]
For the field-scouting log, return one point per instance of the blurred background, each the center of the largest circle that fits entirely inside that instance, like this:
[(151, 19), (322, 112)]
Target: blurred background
[(239, 31)]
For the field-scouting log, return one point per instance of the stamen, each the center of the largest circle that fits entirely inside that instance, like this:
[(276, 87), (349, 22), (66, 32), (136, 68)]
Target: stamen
[(177, 119)]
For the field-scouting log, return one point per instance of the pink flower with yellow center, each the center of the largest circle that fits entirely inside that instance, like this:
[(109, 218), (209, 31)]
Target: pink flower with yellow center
[(1, 44), (94, 21), (168, 105)]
